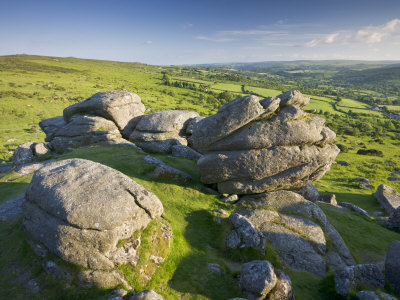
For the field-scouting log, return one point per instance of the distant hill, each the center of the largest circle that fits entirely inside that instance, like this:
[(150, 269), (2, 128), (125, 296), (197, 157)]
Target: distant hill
[(269, 66)]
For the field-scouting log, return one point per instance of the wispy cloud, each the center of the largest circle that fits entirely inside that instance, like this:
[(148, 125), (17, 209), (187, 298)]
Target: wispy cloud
[(366, 35), (148, 42), (187, 25), (214, 39)]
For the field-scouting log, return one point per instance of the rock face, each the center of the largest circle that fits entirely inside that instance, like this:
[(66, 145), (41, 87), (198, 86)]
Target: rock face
[(250, 152), (162, 130), (354, 276), (258, 280), (118, 106), (300, 239), (80, 209), (388, 198), (392, 266)]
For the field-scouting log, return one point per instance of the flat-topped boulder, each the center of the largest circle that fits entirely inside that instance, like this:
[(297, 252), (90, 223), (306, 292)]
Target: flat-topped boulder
[(388, 198), (80, 209), (118, 106)]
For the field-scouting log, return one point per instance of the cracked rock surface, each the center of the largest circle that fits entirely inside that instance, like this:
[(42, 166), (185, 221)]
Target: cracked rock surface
[(80, 209)]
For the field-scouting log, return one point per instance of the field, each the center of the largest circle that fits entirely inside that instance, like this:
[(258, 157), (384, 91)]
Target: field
[(34, 88)]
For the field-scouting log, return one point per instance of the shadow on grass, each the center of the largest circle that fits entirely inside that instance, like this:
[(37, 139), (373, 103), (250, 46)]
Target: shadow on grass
[(192, 274), (9, 190)]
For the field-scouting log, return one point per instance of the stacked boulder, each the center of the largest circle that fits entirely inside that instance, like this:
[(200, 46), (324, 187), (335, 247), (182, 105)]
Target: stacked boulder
[(161, 131), (101, 117), (81, 211), (254, 146)]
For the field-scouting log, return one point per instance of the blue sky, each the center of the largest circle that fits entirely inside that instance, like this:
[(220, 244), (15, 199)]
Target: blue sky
[(192, 32)]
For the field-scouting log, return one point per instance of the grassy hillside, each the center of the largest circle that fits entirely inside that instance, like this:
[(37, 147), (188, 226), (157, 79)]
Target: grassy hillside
[(33, 88)]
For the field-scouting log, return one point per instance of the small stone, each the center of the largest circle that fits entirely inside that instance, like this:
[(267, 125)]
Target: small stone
[(33, 286), (328, 198), (165, 172), (117, 294), (231, 199), (394, 178), (343, 163), (153, 160), (361, 179), (214, 268), (355, 208)]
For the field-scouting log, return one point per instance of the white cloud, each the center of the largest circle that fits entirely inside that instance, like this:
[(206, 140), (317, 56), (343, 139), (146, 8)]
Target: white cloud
[(148, 42), (366, 35), (213, 39)]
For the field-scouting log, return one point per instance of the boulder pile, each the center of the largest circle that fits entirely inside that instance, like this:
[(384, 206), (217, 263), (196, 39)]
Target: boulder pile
[(254, 146), (297, 229)]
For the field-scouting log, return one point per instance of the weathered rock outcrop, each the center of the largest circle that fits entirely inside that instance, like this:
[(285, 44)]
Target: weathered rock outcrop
[(118, 106), (256, 146), (80, 209), (300, 239), (161, 131), (83, 130), (102, 117), (388, 198)]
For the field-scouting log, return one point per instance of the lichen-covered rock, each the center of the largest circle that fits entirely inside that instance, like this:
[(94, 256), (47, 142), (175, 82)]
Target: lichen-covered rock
[(355, 208), (40, 149), (392, 266), (388, 198), (352, 277), (80, 209), (283, 290), (293, 97), (263, 135), (253, 146), (300, 239), (257, 278), (367, 295), (102, 279), (229, 118), (118, 106), (256, 171), (23, 154)]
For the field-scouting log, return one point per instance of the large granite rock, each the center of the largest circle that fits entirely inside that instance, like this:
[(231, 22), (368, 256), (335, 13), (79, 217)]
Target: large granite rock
[(300, 239), (392, 266), (118, 106), (254, 146), (394, 220), (229, 118), (388, 198), (83, 130), (80, 209), (262, 135), (162, 130)]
